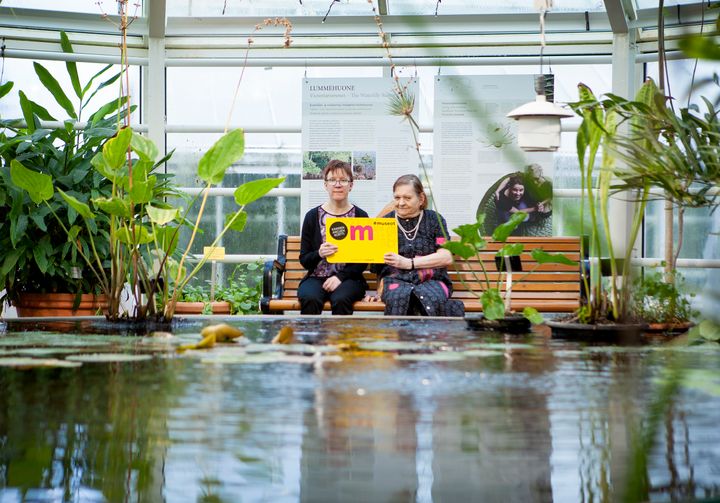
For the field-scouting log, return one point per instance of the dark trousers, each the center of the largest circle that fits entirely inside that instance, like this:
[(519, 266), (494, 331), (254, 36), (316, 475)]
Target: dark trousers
[(312, 296)]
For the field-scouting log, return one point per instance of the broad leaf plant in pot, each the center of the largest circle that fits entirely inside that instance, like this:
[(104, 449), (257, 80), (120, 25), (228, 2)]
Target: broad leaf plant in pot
[(495, 299), (38, 263)]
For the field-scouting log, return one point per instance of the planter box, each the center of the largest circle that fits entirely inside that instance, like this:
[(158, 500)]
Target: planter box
[(59, 304), (197, 307)]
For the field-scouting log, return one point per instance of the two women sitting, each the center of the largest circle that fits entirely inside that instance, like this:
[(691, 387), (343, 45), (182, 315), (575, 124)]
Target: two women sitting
[(413, 281)]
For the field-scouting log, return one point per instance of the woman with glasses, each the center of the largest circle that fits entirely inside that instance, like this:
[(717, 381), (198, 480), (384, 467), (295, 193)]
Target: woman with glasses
[(341, 284), (415, 281)]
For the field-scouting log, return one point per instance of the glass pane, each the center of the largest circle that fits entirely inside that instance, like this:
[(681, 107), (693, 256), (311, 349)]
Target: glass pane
[(86, 6), (22, 73), (652, 4), (424, 7), (252, 8)]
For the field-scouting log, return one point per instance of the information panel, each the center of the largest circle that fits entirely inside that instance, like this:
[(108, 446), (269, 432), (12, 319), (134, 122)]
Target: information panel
[(361, 240), (349, 119), (477, 165)]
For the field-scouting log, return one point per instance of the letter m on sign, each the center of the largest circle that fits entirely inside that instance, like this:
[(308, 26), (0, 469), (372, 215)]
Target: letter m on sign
[(361, 230)]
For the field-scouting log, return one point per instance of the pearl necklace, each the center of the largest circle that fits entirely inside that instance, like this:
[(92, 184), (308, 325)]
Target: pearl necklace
[(412, 233)]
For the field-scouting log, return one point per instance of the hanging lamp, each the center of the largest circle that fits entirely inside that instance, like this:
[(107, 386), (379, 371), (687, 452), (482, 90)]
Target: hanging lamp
[(539, 120)]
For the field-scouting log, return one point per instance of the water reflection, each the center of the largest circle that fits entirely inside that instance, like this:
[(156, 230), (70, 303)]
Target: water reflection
[(522, 419)]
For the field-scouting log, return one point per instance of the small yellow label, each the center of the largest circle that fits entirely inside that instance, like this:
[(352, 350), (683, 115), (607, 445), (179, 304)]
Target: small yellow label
[(361, 240), (214, 252)]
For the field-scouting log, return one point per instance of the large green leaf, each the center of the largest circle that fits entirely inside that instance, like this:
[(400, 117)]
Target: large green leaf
[(27, 111), (504, 230), (510, 250), (5, 88), (252, 191), (41, 258), (82, 208), (460, 249), (115, 149), (142, 236), (11, 258), (142, 191), (144, 147), (493, 305), (39, 186), (71, 65), (99, 163), (227, 150), (55, 89), (112, 206), (162, 216), (236, 221), (533, 315), (543, 257)]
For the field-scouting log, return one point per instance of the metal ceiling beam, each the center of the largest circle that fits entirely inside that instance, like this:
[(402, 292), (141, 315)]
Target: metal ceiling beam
[(616, 16), (157, 18), (383, 7)]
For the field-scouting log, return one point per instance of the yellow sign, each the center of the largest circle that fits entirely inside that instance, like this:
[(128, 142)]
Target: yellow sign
[(361, 240), (214, 252)]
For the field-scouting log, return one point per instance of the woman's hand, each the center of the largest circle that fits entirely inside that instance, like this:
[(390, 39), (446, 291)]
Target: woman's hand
[(331, 284), (378, 296), (397, 261), (327, 249)]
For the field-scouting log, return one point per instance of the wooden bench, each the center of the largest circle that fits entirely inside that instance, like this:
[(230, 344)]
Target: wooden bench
[(547, 288)]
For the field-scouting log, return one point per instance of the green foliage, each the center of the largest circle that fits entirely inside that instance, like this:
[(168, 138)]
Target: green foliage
[(36, 255), (597, 134), (243, 290), (657, 301), (472, 243)]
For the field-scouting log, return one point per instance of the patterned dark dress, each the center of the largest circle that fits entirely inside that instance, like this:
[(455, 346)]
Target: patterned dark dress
[(421, 291)]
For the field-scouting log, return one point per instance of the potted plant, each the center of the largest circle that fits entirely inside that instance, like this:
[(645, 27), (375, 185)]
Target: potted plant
[(661, 304), (241, 295), (607, 312), (496, 303), (38, 263)]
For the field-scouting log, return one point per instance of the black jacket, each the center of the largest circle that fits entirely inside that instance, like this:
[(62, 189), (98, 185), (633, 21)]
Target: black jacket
[(310, 242)]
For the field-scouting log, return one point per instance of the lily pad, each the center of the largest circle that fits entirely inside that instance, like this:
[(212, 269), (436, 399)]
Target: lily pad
[(44, 351), (289, 348), (443, 356), (24, 362), (256, 358), (108, 358), (480, 353), (398, 345), (500, 345)]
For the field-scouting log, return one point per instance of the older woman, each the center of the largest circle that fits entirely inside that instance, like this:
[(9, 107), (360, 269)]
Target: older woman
[(415, 280), (341, 284)]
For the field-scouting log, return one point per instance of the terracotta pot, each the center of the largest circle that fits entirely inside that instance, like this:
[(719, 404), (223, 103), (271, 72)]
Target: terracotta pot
[(670, 328), (623, 333), (59, 304), (197, 307)]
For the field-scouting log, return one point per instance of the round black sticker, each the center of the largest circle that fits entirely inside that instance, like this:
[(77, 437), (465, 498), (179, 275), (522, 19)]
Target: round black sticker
[(338, 230)]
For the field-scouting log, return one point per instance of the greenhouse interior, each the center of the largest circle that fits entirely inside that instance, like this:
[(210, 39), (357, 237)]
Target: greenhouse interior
[(189, 310)]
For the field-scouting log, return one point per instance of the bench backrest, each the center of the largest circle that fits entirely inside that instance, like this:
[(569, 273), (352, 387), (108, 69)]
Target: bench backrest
[(538, 281)]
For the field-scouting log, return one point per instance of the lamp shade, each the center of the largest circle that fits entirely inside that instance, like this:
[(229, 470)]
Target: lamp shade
[(539, 124)]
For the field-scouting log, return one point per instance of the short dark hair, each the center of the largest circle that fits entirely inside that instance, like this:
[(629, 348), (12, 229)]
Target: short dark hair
[(516, 180), (417, 186), (337, 165)]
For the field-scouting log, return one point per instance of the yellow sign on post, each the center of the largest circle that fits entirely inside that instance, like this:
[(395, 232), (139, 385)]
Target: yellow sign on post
[(361, 240), (214, 252)]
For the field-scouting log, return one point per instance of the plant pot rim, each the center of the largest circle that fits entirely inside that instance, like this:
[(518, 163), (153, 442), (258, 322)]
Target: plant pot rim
[(599, 332)]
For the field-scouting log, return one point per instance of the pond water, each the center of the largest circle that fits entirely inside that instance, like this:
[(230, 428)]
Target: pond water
[(358, 410)]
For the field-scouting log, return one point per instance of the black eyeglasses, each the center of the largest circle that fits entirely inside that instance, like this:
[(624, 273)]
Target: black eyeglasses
[(343, 182)]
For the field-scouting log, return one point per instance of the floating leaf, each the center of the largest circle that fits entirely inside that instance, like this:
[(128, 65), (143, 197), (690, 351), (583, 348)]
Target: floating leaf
[(481, 353), (26, 363), (397, 345), (441, 356), (108, 358)]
